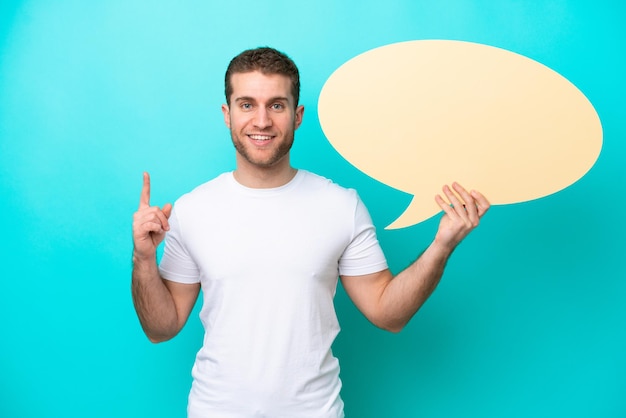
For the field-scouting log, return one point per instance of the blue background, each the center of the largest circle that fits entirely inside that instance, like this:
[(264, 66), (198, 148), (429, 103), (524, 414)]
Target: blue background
[(529, 319)]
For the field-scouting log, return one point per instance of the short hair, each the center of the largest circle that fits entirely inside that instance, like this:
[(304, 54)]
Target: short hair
[(266, 60)]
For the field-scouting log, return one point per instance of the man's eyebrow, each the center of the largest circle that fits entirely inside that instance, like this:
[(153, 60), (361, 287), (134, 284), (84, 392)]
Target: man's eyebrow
[(244, 99), (252, 99), (279, 99)]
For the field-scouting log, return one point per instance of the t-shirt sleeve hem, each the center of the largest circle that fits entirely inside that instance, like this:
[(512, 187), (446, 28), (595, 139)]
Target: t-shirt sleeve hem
[(178, 278), (363, 270)]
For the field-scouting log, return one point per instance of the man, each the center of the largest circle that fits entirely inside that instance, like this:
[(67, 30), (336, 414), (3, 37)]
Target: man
[(266, 243)]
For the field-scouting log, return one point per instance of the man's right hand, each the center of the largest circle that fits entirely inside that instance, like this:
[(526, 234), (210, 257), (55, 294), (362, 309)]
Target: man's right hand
[(149, 224)]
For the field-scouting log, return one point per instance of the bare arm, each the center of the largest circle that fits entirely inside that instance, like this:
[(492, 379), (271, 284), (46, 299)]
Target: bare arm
[(162, 306), (390, 302)]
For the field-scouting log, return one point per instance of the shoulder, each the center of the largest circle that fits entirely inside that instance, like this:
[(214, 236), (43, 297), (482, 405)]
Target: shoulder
[(205, 191), (314, 183)]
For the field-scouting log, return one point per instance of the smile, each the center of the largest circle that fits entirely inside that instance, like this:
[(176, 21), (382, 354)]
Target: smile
[(260, 137)]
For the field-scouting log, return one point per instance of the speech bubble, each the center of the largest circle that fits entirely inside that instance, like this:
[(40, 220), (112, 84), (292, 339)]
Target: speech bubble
[(420, 114)]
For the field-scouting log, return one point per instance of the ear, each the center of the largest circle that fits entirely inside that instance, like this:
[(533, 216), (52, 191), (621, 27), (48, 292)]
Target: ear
[(226, 112), (298, 116)]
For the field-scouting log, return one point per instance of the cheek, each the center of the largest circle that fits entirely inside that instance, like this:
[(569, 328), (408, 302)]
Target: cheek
[(289, 122), (237, 122)]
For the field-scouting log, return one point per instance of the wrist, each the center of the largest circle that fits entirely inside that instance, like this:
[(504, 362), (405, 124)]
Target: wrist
[(141, 257), (441, 249)]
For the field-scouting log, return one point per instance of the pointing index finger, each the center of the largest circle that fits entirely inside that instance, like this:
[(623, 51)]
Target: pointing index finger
[(144, 200)]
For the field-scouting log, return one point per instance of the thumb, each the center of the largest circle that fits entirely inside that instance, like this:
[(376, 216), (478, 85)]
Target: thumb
[(167, 210)]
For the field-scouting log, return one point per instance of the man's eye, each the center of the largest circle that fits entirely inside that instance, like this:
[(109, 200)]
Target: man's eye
[(246, 106), (278, 106)]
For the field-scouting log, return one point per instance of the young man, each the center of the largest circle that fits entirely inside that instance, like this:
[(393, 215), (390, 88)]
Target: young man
[(266, 243)]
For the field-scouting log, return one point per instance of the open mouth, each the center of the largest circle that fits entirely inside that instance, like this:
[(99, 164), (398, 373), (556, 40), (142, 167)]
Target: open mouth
[(260, 139)]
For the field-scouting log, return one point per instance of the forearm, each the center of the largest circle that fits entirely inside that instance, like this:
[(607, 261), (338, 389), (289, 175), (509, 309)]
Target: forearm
[(153, 301), (403, 296), (390, 302)]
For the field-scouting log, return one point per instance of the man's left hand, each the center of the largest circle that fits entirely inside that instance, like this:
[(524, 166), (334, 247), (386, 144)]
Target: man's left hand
[(463, 211)]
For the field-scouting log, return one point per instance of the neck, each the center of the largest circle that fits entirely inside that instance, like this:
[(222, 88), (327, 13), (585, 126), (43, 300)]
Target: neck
[(257, 177)]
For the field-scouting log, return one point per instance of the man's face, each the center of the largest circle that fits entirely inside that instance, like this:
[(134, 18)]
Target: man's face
[(262, 118)]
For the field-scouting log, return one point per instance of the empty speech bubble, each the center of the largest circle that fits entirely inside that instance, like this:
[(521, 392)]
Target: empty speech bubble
[(420, 114)]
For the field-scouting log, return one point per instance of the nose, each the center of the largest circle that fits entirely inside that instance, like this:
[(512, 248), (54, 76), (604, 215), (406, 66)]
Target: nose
[(262, 118)]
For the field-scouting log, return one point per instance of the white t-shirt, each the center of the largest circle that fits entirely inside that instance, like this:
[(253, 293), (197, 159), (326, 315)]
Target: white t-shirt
[(268, 261)]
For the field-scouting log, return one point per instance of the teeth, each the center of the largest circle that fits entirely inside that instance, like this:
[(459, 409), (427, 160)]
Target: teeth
[(260, 137)]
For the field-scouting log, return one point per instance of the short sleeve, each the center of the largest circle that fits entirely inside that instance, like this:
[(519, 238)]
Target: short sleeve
[(364, 254), (176, 264)]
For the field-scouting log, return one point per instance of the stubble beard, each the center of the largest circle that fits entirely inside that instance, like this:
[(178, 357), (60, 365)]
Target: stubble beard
[(276, 156)]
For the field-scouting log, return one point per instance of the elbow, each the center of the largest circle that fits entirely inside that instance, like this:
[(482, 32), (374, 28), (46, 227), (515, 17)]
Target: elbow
[(157, 340), (159, 332), (393, 326), (394, 329), (156, 337)]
